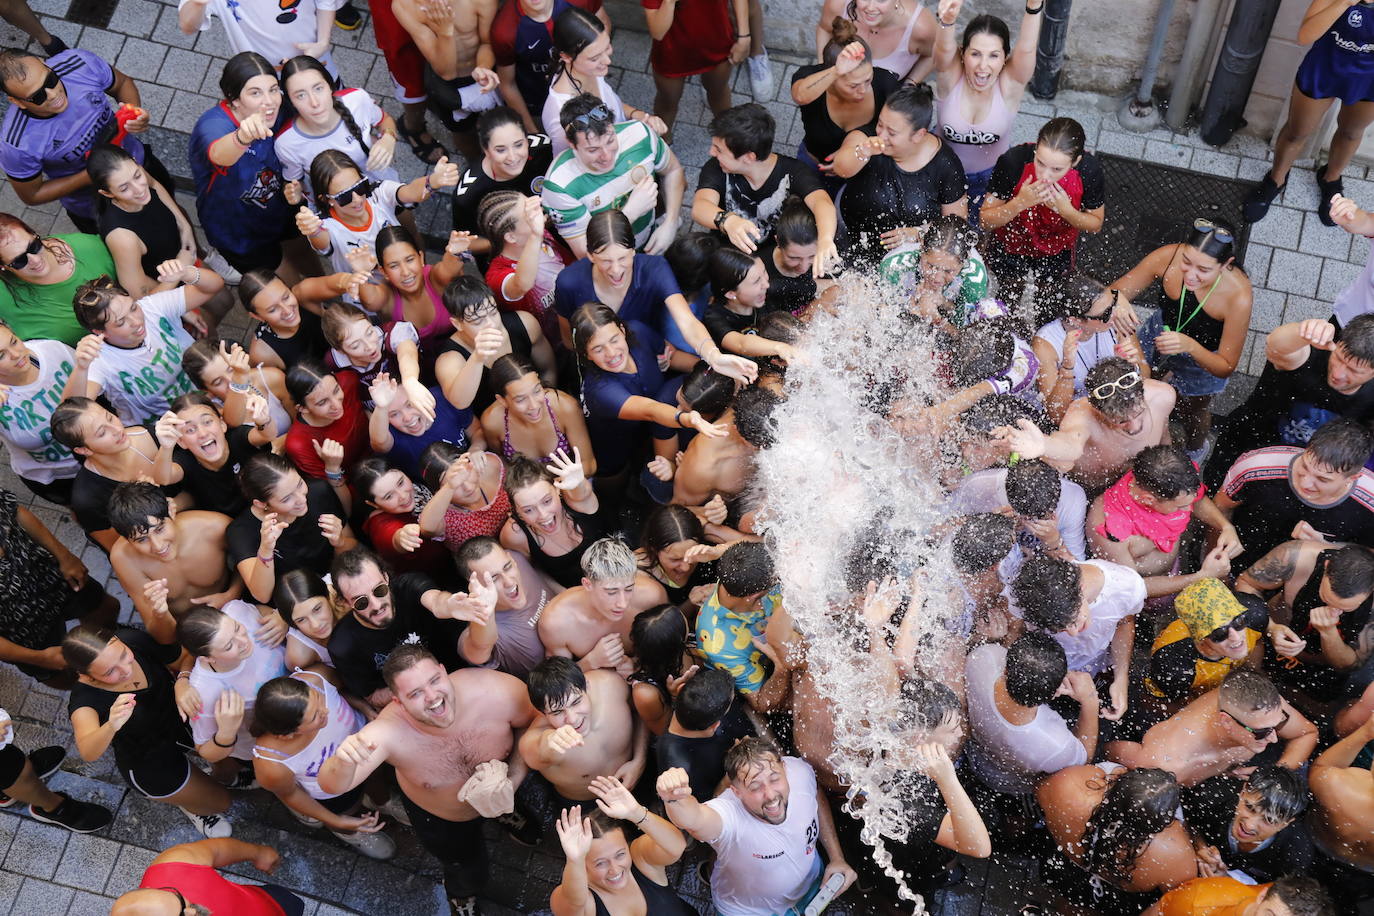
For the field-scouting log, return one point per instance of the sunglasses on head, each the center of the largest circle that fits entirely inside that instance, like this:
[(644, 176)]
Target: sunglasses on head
[(50, 82), (363, 188), (1259, 733), (22, 259), (1086, 314), (1220, 233), (598, 115), (1123, 383), (361, 602)]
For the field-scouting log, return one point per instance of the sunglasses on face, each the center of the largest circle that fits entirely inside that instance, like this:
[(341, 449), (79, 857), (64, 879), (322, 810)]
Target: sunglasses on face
[(1086, 314), (361, 602), (1221, 234), (50, 82), (1260, 734), (1123, 383), (20, 261), (363, 188), (598, 115), (1238, 624)]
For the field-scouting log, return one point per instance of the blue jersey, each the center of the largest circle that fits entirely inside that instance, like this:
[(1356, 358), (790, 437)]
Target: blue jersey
[(526, 44), (57, 146), (1340, 64), (245, 198)]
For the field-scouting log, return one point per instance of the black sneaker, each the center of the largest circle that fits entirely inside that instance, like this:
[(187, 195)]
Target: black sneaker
[(521, 829), (1328, 189), (243, 779), (47, 760), (347, 17), (1256, 206), (76, 816)]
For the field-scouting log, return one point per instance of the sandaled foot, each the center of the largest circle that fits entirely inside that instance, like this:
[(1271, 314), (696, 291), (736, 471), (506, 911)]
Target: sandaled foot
[(421, 143)]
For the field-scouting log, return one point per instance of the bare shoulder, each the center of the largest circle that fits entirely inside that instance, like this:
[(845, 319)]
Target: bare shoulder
[(606, 682), (203, 521), (650, 586)]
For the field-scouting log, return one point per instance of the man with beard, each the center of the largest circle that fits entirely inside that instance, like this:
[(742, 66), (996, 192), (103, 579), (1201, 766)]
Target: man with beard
[(452, 739), (765, 830), (513, 595)]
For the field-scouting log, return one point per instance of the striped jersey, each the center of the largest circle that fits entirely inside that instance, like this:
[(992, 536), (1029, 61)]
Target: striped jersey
[(572, 194)]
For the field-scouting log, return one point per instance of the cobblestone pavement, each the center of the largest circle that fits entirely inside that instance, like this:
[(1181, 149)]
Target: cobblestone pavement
[(45, 870)]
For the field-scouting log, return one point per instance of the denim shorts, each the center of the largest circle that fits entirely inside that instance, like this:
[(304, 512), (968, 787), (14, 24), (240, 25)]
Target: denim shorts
[(1183, 372)]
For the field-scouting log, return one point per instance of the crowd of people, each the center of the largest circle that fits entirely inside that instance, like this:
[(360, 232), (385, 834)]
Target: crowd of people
[(466, 534)]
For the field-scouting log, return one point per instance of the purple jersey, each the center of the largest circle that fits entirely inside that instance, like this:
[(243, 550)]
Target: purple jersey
[(31, 146)]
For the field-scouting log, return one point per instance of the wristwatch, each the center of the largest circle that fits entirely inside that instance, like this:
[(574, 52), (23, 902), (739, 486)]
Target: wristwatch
[(720, 219)]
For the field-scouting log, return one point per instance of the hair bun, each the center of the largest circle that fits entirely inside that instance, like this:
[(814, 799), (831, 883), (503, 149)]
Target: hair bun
[(843, 30)]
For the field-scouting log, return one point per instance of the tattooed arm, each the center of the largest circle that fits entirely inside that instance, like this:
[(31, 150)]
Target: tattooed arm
[(1272, 571)]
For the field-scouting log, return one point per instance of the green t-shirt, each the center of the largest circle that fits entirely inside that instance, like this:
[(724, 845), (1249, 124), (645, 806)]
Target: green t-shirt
[(900, 268), (37, 312)]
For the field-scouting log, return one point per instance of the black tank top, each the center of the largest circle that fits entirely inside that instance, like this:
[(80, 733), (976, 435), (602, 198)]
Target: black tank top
[(567, 569), (519, 346), (154, 224), (307, 342), (658, 900), (1309, 671), (1196, 323)]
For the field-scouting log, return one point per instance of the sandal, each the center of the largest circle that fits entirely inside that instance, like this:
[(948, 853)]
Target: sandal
[(429, 152)]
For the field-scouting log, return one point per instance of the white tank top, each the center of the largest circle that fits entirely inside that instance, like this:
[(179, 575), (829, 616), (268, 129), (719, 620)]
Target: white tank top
[(319, 649), (306, 763), (1091, 351), (901, 59)]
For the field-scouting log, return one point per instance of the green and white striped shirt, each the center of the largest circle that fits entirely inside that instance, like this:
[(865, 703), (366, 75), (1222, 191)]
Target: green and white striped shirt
[(572, 194)]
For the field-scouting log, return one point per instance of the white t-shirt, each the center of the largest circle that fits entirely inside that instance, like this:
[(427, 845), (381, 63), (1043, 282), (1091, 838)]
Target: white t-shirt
[(1006, 757), (1358, 297), (555, 102), (986, 491), (1123, 594), (25, 417), (297, 149), (344, 238), (256, 25), (762, 869), (143, 381), (250, 674)]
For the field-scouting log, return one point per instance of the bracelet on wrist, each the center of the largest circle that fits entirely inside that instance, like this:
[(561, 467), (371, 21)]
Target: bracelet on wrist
[(642, 816), (333, 476), (239, 140), (266, 561), (240, 387), (945, 25), (183, 675), (1035, 12), (677, 418), (215, 739)]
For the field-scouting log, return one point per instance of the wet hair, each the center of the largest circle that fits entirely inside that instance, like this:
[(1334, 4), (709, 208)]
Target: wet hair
[(1282, 792), (1350, 571), (927, 704), (608, 559), (607, 228), (982, 351), (843, 32), (241, 68), (132, 504), (982, 541), (986, 24), (576, 108), (66, 421), (796, 224), (1137, 805), (689, 256), (666, 526), (1165, 471), (499, 213), (199, 355), (553, 682), (573, 31), (354, 562), (467, 296), (395, 235), (1120, 402), (303, 63), (523, 471), (262, 473), (728, 268), (473, 549), (707, 391), (1357, 339), (1033, 488), (1207, 242), (780, 326), (915, 103), (1342, 445), (1063, 135), (435, 460), (324, 168), (366, 473), (294, 587), (280, 707), (1247, 690), (104, 160), (493, 119), (994, 410), (194, 399), (658, 637), (12, 66), (198, 627), (507, 370), (951, 234), (704, 699), (1036, 666), (1048, 591), (750, 752), (83, 643), (305, 376), (587, 320), (402, 659), (93, 299), (755, 422), (253, 282), (746, 568), (1303, 896), (1075, 296), (745, 129)]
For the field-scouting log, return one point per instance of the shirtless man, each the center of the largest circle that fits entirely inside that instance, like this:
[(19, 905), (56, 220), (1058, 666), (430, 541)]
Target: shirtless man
[(591, 622), (1342, 819), (455, 38), (1122, 414), (1222, 730), (724, 465), (586, 728), (170, 561), (452, 739)]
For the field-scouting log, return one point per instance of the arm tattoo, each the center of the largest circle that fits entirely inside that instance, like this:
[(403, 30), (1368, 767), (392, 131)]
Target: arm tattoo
[(1276, 567)]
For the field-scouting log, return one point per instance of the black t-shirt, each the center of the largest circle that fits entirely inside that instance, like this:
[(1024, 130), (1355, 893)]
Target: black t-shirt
[(359, 651), (785, 294), (520, 345), (307, 343), (219, 490), (720, 321), (475, 183), (703, 758), (761, 205), (301, 545), (1011, 166), (1209, 809), (918, 855), (91, 498), (883, 196), (155, 721), (821, 135), (1309, 671)]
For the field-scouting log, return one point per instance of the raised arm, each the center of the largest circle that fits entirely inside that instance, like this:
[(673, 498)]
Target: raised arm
[(686, 812), (1021, 66)]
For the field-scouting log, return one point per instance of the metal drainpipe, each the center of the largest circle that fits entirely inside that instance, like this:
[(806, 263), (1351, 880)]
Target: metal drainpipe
[(1139, 112), (1049, 54), (1237, 65), (1189, 76)]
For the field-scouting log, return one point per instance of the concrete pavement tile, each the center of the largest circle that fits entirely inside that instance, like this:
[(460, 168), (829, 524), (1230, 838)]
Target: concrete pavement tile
[(1257, 262), (182, 69), (84, 904), (1252, 169), (58, 26), (1327, 241), (214, 41), (308, 865), (327, 909), (39, 898), (87, 862), (152, 825), (1336, 276), (168, 32), (1168, 153), (105, 44), (377, 887), (1026, 127), (1292, 272), (1212, 162), (1282, 228), (36, 849), (9, 826), (128, 869), (135, 17), (1119, 143), (49, 7), (354, 65), (186, 108), (154, 99)]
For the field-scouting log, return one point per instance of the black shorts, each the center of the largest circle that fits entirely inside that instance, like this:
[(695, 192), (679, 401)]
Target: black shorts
[(344, 804), (162, 772), (445, 102), (59, 492)]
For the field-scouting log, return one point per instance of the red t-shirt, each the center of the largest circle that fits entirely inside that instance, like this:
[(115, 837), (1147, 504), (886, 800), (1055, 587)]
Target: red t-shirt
[(350, 431), (432, 557), (699, 38), (203, 885)]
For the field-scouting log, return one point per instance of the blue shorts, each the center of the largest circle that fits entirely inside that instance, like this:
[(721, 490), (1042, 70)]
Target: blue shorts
[(1179, 370)]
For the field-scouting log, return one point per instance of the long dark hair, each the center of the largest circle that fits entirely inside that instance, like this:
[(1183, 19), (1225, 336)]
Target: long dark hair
[(573, 30), (589, 319), (241, 68), (280, 707), (323, 168), (667, 525), (728, 268), (303, 63), (296, 586), (1138, 804), (659, 637)]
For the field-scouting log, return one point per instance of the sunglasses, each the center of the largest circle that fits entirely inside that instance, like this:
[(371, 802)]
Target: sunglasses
[(20, 261), (598, 115), (1220, 233), (361, 602), (1086, 314), (50, 82), (1124, 383), (363, 188), (185, 906), (1238, 624), (1259, 733)]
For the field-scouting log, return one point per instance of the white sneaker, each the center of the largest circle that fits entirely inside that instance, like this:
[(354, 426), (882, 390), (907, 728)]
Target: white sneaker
[(373, 845), (760, 75), (215, 261), (307, 820), (213, 826)]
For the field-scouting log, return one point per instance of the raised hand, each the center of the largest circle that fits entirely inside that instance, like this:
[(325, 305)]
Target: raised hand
[(445, 174), (850, 56), (155, 590), (694, 420), (1286, 643), (331, 526), (1217, 564), (662, 468), (459, 242), (1025, 438), (1325, 618), (363, 260), (568, 472), (268, 534), (356, 750), (168, 429), (614, 799), (933, 760), (121, 710), (237, 359), (294, 192), (420, 398), (608, 652), (383, 390), (563, 739), (382, 153), (331, 453), (675, 684), (487, 79), (715, 510), (309, 222), (408, 539), (949, 11), (259, 414), (482, 591), (673, 785), (87, 349), (488, 344), (574, 833), (254, 127), (532, 212), (1318, 332), (229, 710)]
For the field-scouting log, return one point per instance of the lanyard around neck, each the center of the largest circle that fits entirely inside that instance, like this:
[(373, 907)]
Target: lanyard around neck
[(1182, 293)]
